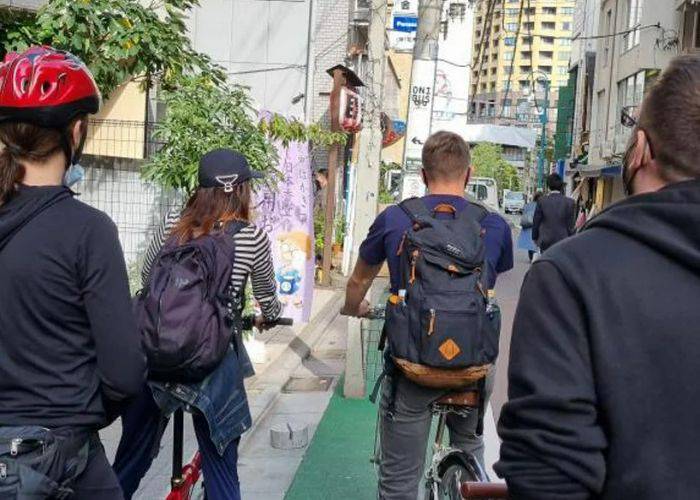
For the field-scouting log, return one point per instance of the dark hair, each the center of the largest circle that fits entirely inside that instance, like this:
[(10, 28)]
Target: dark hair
[(670, 116), (210, 206), (537, 196), (554, 182), (23, 141), (445, 156)]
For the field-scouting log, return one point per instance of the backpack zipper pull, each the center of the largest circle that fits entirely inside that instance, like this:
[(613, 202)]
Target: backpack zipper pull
[(414, 262), (431, 325), (14, 446)]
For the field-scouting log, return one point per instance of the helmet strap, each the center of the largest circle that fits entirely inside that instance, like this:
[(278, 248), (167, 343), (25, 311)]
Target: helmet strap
[(72, 156)]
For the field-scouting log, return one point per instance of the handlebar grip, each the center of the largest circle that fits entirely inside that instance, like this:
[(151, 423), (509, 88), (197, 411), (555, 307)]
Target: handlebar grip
[(484, 491)]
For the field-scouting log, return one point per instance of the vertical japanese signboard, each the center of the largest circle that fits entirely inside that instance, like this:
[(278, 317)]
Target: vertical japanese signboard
[(285, 213)]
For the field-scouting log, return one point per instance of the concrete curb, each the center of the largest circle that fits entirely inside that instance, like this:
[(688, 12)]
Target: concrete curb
[(270, 382)]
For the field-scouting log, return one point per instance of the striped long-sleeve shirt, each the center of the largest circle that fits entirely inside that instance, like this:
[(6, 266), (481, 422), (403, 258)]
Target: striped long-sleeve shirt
[(253, 258)]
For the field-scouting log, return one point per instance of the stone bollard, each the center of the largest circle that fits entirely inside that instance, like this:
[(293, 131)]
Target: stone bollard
[(289, 436)]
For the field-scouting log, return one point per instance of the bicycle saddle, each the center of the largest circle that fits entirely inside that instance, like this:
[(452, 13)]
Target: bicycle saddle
[(467, 398)]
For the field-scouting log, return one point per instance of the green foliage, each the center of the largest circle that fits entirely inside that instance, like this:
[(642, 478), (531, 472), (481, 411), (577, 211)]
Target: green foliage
[(118, 39), (339, 236), (319, 228), (488, 161), (385, 196), (202, 116)]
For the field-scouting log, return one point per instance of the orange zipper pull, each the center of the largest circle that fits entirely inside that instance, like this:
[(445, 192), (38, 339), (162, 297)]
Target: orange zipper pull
[(431, 325), (414, 261)]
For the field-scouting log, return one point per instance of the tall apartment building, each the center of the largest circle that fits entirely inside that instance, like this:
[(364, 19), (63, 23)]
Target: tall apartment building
[(512, 59)]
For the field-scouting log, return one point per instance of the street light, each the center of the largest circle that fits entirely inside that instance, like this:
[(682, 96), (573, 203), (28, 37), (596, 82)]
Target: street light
[(544, 121)]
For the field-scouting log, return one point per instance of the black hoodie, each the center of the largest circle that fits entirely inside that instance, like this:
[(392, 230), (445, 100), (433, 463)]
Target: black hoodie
[(68, 341), (605, 357)]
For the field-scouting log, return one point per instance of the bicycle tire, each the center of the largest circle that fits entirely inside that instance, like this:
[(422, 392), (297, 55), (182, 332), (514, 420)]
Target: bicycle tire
[(450, 482)]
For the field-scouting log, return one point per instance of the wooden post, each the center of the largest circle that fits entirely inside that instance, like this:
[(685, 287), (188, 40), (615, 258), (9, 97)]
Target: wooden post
[(333, 155)]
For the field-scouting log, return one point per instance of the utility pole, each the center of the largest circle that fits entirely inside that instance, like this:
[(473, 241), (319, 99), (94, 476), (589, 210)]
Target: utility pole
[(421, 95), (366, 180), (544, 118), (368, 165)]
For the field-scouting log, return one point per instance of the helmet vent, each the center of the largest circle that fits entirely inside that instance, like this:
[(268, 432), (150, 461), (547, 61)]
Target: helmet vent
[(45, 87), (24, 85)]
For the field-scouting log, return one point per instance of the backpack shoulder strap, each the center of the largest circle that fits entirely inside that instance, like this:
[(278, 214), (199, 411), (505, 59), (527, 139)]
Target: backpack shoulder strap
[(473, 211), (235, 227), (415, 209)]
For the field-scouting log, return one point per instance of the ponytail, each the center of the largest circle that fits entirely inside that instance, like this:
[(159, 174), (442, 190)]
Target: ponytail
[(11, 173), (27, 142)]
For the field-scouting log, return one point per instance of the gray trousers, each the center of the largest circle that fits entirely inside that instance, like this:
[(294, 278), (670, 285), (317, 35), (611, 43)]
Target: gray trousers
[(404, 435)]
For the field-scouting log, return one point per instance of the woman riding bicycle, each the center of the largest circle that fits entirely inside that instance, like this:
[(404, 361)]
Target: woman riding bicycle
[(223, 196), (70, 352)]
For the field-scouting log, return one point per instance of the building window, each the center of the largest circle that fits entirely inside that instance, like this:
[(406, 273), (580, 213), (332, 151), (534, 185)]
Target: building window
[(633, 16), (548, 40), (508, 56), (549, 11), (512, 27), (568, 11), (509, 41), (563, 70), (508, 70), (566, 26), (492, 87), (545, 69), (691, 29), (549, 26), (630, 93), (527, 40), (565, 42), (525, 69), (512, 12), (564, 56), (507, 104)]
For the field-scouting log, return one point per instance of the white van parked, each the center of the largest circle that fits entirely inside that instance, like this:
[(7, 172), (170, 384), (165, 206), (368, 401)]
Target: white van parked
[(484, 190)]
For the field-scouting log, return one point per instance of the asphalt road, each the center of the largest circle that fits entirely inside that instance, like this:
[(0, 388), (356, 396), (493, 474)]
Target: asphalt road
[(507, 292)]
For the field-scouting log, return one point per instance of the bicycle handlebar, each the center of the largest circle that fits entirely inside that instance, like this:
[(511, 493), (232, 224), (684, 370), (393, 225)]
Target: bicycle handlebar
[(484, 491), (249, 322)]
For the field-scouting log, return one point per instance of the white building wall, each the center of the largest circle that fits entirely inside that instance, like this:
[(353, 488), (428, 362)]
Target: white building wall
[(261, 44)]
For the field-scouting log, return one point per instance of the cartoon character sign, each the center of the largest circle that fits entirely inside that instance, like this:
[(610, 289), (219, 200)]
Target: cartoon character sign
[(285, 212), (294, 252)]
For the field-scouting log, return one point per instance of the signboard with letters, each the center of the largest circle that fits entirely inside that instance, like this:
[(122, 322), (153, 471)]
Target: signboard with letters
[(404, 23)]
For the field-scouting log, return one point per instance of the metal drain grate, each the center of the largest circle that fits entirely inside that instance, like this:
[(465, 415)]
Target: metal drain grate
[(307, 384)]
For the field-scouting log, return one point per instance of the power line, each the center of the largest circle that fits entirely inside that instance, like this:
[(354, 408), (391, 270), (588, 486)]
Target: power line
[(486, 28), (512, 61), (268, 70)]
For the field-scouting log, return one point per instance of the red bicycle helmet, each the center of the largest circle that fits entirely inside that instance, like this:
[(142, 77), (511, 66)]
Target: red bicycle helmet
[(46, 87)]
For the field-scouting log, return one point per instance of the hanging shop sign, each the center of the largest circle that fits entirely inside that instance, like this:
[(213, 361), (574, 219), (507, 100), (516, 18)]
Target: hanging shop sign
[(350, 110), (392, 130)]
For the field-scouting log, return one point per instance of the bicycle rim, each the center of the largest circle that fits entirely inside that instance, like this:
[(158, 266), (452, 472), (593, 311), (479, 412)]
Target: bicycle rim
[(451, 481)]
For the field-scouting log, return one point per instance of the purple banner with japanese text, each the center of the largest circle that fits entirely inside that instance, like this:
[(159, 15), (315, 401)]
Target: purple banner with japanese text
[(285, 213)]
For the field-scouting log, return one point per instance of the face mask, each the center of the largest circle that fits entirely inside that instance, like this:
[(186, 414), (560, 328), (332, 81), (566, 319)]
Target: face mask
[(73, 175)]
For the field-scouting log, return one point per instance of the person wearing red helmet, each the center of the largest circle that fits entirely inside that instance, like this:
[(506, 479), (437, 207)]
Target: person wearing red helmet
[(70, 352)]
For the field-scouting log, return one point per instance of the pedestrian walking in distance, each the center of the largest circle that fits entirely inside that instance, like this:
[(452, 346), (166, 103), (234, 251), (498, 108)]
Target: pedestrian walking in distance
[(525, 240), (603, 402), (555, 215)]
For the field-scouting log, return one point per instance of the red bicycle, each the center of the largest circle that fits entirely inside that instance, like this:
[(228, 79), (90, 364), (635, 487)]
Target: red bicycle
[(185, 478)]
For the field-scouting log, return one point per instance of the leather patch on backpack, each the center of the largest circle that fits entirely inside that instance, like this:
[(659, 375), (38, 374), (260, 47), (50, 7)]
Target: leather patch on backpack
[(449, 349)]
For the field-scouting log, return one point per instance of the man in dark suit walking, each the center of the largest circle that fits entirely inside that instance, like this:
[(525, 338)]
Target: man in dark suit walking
[(554, 216)]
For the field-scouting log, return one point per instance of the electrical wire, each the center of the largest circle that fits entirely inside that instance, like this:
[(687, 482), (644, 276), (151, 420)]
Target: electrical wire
[(512, 61), (486, 28), (268, 70)]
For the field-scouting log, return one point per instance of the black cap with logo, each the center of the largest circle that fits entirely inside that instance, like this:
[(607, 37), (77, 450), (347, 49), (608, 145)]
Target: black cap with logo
[(225, 168)]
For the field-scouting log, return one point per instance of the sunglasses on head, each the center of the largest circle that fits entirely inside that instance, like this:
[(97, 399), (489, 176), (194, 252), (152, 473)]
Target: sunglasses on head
[(629, 121)]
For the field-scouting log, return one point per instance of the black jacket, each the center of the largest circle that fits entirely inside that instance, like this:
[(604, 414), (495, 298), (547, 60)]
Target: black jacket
[(605, 356), (67, 335), (554, 220)]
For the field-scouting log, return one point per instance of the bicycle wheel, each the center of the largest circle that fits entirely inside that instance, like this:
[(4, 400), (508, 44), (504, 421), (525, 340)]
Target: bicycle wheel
[(451, 481)]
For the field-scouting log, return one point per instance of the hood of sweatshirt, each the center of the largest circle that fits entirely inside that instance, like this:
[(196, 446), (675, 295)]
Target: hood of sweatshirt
[(28, 202), (668, 221)]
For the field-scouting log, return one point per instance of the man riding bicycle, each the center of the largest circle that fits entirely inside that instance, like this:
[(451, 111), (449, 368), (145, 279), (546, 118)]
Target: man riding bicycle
[(405, 406)]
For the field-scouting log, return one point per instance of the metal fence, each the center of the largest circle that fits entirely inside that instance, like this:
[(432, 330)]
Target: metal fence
[(115, 153)]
